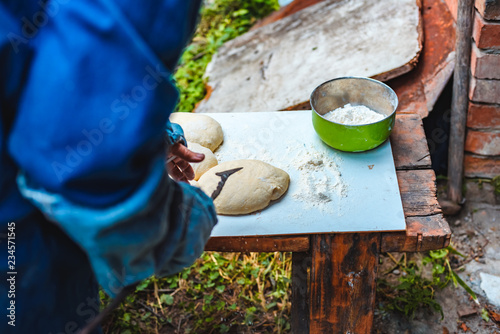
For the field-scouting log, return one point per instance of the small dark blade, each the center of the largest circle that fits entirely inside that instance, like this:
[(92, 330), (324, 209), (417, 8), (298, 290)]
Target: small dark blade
[(223, 178)]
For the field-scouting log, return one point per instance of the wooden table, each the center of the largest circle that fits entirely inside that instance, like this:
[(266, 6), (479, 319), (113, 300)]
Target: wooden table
[(333, 275)]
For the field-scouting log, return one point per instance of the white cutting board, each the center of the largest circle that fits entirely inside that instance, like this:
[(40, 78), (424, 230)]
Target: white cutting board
[(330, 190)]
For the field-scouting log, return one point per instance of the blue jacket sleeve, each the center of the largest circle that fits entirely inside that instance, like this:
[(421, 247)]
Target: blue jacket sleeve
[(160, 229), (175, 134), (89, 136)]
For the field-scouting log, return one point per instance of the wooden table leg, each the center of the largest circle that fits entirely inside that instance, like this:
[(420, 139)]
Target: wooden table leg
[(342, 282), (301, 264)]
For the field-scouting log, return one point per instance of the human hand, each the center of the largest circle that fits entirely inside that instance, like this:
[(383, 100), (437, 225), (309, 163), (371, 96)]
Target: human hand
[(178, 166)]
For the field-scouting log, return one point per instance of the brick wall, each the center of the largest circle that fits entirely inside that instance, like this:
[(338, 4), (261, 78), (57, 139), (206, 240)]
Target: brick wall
[(482, 143)]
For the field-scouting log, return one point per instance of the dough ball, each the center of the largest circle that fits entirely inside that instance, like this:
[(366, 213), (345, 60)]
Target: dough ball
[(201, 167), (199, 129), (247, 190)]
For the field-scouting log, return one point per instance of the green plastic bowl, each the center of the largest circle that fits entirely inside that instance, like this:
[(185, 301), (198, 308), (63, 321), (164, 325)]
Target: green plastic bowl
[(357, 91)]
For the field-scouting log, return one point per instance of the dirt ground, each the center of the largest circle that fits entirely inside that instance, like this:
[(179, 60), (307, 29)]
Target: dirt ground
[(475, 233)]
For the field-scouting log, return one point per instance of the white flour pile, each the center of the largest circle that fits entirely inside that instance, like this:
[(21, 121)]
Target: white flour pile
[(353, 115), (319, 180)]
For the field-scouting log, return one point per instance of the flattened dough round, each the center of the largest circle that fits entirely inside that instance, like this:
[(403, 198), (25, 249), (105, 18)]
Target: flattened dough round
[(201, 167), (248, 190), (199, 129)]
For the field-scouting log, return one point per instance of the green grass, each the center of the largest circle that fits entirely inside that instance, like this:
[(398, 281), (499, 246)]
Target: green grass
[(415, 291), (220, 22), (495, 182), (221, 292)]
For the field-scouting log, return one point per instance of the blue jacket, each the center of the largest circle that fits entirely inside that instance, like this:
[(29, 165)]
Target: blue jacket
[(85, 92)]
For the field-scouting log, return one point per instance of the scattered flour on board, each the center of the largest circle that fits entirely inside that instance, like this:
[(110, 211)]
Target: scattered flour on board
[(353, 115), (317, 183), (320, 182)]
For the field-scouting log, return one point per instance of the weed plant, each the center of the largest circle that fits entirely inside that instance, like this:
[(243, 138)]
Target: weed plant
[(414, 290), (220, 293)]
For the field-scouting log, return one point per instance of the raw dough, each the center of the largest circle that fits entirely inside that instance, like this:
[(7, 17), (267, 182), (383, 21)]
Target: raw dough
[(200, 129), (201, 167), (248, 190)]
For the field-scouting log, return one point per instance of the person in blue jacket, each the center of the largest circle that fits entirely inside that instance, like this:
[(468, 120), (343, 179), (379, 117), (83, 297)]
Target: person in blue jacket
[(85, 198)]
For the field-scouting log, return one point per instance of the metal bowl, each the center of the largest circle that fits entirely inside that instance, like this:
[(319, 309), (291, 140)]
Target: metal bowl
[(337, 93)]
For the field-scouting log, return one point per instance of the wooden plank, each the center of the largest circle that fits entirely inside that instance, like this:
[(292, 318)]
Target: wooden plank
[(409, 145), (460, 100), (418, 90), (422, 234), (291, 8), (280, 64), (343, 273), (418, 192), (258, 244), (301, 264), (437, 61)]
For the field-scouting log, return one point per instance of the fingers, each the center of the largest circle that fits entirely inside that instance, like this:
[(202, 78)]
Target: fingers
[(184, 153), (185, 168), (176, 173), (178, 163), (180, 170)]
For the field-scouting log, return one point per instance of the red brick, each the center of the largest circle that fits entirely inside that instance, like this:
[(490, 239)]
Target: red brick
[(483, 116), (452, 6), (478, 166), (485, 65), (482, 90), (489, 9), (486, 33), (483, 143)]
